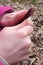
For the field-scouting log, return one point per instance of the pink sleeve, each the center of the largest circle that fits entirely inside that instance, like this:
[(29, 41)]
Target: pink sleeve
[(5, 9), (1, 63)]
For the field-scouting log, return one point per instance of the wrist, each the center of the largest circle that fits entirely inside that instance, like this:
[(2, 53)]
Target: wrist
[(7, 60), (3, 61)]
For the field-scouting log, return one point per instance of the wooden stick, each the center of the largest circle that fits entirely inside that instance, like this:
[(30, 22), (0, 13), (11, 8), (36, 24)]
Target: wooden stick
[(28, 14)]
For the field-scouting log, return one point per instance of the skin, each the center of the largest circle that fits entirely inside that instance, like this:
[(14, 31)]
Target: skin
[(15, 42)]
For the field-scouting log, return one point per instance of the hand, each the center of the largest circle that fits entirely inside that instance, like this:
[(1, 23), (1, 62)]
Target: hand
[(10, 19), (15, 42)]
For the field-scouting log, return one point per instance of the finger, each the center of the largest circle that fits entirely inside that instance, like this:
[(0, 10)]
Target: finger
[(26, 51), (27, 41), (23, 58), (27, 30), (20, 59), (30, 21), (13, 18), (24, 23), (17, 27)]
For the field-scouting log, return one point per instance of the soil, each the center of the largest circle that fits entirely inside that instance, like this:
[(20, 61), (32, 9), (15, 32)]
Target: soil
[(36, 55)]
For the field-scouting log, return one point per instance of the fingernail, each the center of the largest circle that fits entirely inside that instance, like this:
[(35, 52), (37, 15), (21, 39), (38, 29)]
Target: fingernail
[(30, 21)]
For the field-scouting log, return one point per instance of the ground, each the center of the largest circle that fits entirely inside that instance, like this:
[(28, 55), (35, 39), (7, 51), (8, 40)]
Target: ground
[(36, 55)]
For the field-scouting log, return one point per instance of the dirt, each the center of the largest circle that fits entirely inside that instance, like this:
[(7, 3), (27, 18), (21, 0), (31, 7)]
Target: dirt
[(36, 55)]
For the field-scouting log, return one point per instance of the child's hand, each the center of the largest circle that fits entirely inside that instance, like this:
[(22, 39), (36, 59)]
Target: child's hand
[(15, 41), (10, 19)]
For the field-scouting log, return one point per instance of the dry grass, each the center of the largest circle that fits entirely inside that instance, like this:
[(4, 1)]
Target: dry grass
[(36, 55)]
